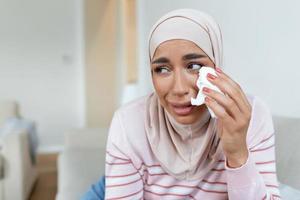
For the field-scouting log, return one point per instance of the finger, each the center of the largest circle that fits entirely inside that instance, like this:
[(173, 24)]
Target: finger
[(233, 83), (219, 111), (225, 101), (235, 93)]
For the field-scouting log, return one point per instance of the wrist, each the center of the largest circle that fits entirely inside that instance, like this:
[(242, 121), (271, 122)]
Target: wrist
[(237, 160)]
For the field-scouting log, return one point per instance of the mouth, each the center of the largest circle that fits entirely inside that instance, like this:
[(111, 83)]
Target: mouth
[(182, 109)]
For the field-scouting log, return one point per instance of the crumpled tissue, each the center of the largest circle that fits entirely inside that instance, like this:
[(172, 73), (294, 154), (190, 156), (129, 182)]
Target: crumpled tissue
[(203, 82)]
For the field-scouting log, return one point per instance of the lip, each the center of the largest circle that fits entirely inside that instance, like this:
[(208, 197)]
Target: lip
[(182, 109)]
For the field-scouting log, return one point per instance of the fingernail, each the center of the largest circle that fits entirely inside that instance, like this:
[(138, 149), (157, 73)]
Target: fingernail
[(207, 99), (205, 89), (218, 70), (211, 76)]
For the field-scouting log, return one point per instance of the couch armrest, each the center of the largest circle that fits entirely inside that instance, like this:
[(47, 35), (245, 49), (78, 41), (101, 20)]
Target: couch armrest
[(19, 172), (1, 168), (86, 138), (287, 141)]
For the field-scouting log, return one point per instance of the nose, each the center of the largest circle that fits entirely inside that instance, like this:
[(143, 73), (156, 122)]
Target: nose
[(180, 84)]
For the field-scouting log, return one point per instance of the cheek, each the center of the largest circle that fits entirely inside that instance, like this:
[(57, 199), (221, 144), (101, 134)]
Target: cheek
[(161, 86), (192, 78)]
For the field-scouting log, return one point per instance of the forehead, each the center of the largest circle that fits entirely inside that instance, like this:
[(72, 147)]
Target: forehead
[(176, 48)]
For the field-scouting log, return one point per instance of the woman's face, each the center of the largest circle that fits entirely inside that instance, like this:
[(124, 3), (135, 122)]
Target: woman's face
[(174, 69)]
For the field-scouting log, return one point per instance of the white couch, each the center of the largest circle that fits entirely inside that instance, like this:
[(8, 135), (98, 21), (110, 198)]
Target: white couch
[(82, 161), (287, 149), (17, 174)]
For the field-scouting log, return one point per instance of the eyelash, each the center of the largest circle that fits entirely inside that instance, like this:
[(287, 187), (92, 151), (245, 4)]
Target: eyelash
[(196, 64), (159, 68)]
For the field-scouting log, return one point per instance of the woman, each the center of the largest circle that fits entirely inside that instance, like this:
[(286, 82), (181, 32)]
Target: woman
[(162, 147)]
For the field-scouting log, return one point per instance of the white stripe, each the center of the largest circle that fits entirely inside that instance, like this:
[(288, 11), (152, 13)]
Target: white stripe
[(185, 187), (265, 144), (122, 180), (266, 167), (151, 170)]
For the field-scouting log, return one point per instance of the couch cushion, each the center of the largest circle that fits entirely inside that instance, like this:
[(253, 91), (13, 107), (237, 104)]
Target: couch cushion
[(78, 168), (8, 109), (287, 131), (86, 138), (288, 193)]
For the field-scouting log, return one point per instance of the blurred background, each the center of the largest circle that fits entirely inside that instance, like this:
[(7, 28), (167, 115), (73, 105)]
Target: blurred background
[(69, 64)]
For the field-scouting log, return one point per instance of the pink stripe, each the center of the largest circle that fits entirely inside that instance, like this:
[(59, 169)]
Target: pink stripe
[(267, 172), (118, 176), (125, 163), (117, 156), (263, 149), (191, 196), (214, 182), (267, 162), (163, 173), (160, 174), (262, 141), (188, 186), (117, 185), (170, 194), (124, 196), (274, 186), (218, 170), (267, 138), (274, 195), (155, 165), (149, 166)]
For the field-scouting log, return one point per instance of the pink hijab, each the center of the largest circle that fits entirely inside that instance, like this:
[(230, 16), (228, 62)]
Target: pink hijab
[(187, 152)]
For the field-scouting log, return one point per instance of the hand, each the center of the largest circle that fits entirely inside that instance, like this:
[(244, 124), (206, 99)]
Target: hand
[(234, 113)]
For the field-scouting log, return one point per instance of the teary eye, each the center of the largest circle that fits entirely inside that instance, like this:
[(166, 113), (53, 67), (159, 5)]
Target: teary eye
[(161, 70), (194, 66)]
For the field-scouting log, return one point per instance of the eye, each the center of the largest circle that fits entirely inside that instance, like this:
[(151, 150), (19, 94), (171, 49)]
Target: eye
[(194, 66), (161, 70)]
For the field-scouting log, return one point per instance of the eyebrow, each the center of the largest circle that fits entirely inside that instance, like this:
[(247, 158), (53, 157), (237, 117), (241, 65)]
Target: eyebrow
[(193, 56), (190, 56), (160, 60)]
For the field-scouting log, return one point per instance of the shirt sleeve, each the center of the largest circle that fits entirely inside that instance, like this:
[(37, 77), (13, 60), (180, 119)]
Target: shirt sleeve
[(257, 178), (123, 180), (96, 191)]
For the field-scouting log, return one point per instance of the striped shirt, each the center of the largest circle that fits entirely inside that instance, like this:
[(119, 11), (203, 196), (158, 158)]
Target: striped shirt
[(133, 172)]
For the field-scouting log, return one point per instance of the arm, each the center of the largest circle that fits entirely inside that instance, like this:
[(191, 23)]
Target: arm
[(123, 180), (250, 163), (256, 179)]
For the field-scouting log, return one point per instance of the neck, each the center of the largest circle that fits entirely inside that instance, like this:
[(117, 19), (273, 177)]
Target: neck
[(185, 130)]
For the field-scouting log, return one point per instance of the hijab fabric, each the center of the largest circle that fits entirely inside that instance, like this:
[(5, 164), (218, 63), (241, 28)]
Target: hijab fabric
[(187, 152)]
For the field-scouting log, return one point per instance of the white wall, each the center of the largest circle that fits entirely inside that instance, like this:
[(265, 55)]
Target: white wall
[(41, 64), (41, 55), (261, 45)]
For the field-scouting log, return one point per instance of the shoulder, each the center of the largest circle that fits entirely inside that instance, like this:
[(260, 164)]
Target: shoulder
[(256, 102), (261, 114), (127, 130), (129, 120), (261, 124)]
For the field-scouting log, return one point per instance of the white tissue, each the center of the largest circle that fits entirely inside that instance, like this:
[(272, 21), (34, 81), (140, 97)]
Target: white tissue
[(203, 82)]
